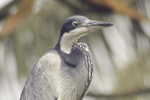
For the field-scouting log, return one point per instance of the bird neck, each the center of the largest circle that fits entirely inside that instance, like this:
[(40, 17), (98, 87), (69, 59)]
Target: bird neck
[(66, 43), (79, 64)]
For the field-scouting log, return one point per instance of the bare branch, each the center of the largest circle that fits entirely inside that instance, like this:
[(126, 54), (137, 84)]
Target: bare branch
[(13, 21), (119, 7), (5, 10)]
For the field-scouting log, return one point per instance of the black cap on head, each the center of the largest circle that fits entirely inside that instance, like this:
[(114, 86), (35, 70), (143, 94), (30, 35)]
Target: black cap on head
[(68, 24)]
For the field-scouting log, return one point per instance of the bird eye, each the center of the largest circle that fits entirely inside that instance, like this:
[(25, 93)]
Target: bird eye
[(75, 24)]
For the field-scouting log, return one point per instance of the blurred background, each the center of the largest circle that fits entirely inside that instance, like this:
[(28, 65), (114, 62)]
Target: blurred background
[(28, 28)]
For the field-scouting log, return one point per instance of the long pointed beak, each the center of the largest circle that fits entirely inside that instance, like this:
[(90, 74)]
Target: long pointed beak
[(97, 24), (90, 26)]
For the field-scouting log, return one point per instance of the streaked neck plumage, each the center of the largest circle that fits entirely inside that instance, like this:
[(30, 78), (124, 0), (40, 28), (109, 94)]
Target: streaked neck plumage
[(79, 60)]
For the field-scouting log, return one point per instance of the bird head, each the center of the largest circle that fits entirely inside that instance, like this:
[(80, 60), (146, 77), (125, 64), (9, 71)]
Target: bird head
[(76, 27)]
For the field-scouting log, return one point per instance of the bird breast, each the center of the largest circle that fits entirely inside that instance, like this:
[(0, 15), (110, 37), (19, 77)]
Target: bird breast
[(74, 81)]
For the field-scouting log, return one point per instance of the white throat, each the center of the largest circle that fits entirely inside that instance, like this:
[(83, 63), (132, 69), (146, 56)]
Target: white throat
[(69, 39), (66, 43)]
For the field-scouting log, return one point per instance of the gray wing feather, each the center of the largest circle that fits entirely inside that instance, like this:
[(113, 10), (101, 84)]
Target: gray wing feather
[(42, 82)]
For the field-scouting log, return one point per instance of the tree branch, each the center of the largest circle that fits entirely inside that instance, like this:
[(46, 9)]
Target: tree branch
[(5, 10), (13, 21), (119, 7)]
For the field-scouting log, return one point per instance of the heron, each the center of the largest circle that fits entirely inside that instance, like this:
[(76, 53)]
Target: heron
[(64, 72)]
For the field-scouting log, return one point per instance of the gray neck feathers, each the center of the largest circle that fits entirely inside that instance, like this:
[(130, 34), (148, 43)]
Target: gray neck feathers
[(77, 71)]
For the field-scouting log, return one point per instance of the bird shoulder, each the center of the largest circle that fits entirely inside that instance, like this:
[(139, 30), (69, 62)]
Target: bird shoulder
[(51, 61)]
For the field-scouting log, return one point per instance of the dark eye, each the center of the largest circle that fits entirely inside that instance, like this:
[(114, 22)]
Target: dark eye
[(75, 24)]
